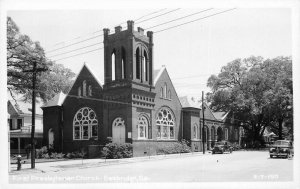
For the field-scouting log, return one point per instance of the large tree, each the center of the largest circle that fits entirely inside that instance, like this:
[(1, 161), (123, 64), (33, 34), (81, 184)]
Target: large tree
[(22, 52), (258, 92)]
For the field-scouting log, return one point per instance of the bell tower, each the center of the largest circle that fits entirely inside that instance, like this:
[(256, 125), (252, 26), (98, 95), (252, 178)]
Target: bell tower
[(128, 56), (128, 90)]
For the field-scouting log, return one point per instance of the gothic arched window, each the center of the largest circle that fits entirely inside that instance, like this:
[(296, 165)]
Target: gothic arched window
[(138, 63), (113, 65), (161, 92), (169, 94), (84, 88), (165, 90), (195, 131), (145, 67), (79, 91), (226, 133), (85, 124), (143, 127), (123, 71), (90, 90), (165, 124)]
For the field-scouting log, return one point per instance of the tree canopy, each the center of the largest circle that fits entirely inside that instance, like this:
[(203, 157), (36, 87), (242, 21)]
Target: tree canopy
[(22, 52), (258, 92)]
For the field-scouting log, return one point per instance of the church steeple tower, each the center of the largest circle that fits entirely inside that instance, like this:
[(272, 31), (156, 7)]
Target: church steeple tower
[(128, 56)]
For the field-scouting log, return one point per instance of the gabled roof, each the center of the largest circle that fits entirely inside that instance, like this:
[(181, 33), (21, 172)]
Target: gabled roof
[(22, 107), (57, 100), (157, 73), (190, 102), (85, 65)]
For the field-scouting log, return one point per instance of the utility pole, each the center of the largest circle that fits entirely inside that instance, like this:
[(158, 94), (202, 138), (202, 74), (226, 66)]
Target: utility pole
[(33, 71), (203, 130)]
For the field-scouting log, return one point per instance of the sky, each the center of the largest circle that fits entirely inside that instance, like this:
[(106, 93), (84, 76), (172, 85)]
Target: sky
[(191, 52)]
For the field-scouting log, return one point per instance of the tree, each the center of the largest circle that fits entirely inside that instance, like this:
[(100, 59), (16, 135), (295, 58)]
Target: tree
[(258, 92), (22, 52)]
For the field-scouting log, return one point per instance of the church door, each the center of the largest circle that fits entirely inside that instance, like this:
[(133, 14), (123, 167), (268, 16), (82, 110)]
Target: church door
[(118, 130)]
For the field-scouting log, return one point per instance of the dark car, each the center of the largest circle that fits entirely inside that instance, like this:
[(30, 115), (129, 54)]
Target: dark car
[(221, 147), (281, 148)]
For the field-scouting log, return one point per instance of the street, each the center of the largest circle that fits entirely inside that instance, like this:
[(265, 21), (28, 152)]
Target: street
[(235, 167)]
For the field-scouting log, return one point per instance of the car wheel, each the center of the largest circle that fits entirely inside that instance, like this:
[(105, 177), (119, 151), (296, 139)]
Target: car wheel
[(271, 156), (213, 152)]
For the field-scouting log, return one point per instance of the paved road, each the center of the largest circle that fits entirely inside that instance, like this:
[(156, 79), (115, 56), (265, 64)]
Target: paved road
[(235, 167)]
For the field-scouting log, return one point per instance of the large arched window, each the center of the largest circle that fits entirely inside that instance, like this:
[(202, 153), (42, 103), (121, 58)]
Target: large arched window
[(143, 127), (85, 124), (113, 65), (138, 63), (165, 124)]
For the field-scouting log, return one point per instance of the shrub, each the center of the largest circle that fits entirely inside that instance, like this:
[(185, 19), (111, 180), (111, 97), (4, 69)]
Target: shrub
[(76, 154), (42, 152), (174, 148), (55, 155), (117, 151)]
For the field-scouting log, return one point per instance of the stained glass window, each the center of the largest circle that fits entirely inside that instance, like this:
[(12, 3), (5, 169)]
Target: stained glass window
[(165, 124), (85, 124)]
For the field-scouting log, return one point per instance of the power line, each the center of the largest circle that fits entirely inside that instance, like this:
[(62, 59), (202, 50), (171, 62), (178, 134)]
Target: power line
[(193, 20), (154, 32), (100, 31), (145, 15), (75, 50), (79, 54), (179, 18), (75, 43), (158, 15)]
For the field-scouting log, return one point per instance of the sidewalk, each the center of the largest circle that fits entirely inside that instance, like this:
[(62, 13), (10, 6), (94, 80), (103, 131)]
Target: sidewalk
[(56, 166)]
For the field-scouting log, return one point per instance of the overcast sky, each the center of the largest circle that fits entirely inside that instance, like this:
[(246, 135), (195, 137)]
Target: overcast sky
[(191, 53)]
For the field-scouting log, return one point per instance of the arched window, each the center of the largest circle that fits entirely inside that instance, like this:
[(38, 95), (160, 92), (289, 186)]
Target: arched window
[(145, 67), (143, 127), (138, 63), (169, 94), (165, 124), (165, 90), (195, 131), (113, 66), (123, 63), (226, 133), (79, 91), (85, 124), (161, 92), (84, 88), (90, 90)]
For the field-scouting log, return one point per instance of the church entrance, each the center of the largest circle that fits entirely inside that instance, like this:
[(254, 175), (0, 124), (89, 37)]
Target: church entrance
[(118, 130)]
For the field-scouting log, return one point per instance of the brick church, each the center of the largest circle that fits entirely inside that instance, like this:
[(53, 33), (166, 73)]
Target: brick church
[(135, 104)]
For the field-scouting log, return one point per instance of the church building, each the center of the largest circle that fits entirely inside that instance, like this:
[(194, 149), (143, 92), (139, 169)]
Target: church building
[(135, 104)]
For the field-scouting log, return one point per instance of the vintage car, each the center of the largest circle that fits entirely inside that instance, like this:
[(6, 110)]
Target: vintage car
[(221, 147), (281, 148)]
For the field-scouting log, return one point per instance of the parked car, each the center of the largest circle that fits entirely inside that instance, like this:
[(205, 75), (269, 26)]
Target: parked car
[(281, 148), (221, 147)]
